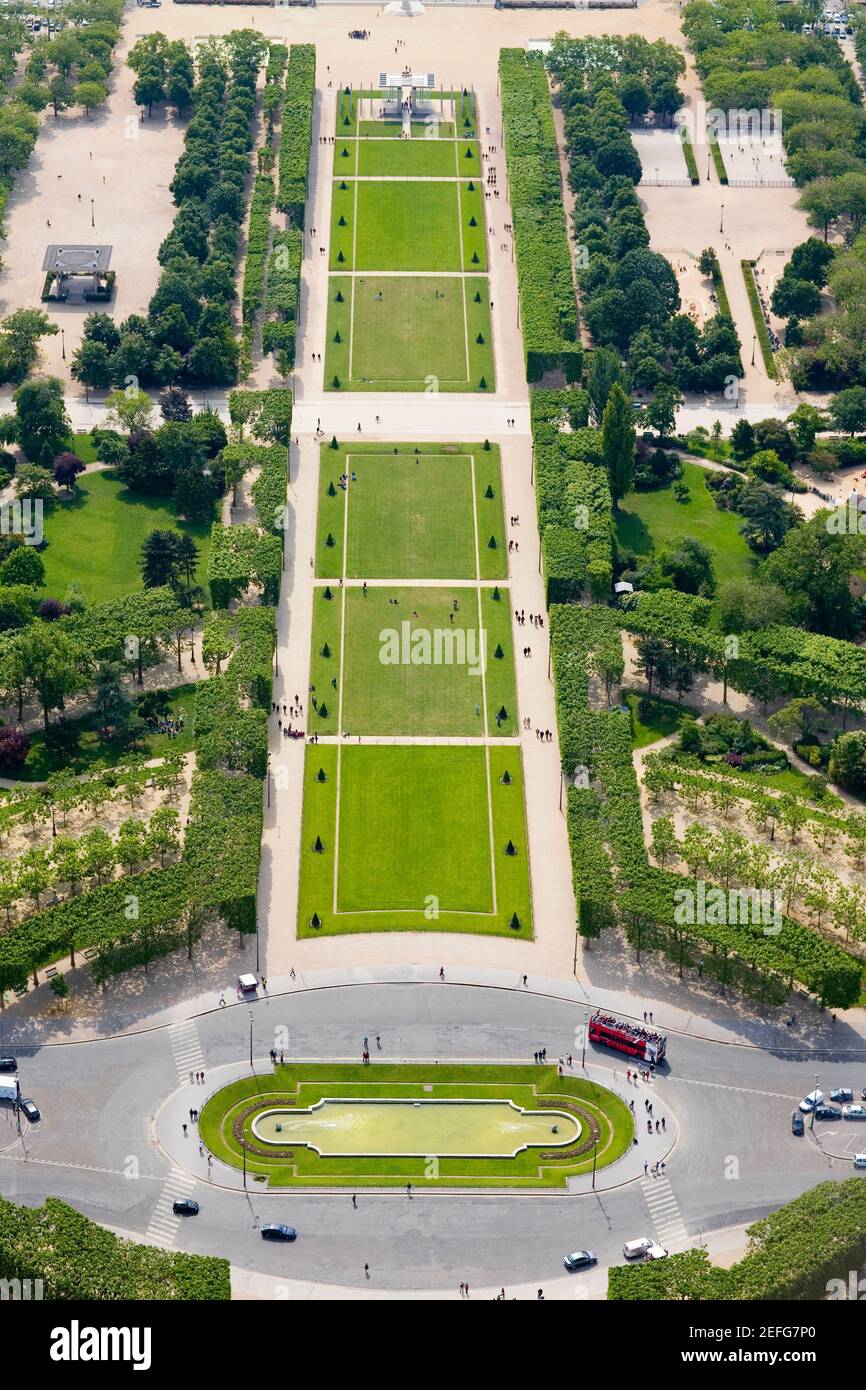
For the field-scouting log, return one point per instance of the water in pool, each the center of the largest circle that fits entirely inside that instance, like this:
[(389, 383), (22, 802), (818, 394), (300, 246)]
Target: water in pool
[(418, 1127)]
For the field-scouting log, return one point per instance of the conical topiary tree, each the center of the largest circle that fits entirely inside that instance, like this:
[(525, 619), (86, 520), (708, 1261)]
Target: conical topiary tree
[(510, 850), (338, 338), (468, 154), (346, 121), (340, 257), (503, 713), (482, 385), (326, 651), (339, 299), (514, 924), (323, 710), (344, 187), (473, 221), (491, 544), (315, 921), (480, 338), (327, 593), (487, 446), (344, 153), (335, 382), (496, 596), (320, 775), (342, 221), (318, 847), (475, 260), (471, 186), (477, 296), (334, 443), (329, 540), (488, 492), (499, 653), (506, 778), (332, 491)]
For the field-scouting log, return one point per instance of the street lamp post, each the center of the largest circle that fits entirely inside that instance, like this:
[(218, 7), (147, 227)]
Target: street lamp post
[(722, 219), (63, 344), (252, 1068), (754, 341), (585, 1031), (92, 221)]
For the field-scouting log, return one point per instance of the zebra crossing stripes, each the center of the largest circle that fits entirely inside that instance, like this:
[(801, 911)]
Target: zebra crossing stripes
[(163, 1226), (186, 1049), (664, 1210)]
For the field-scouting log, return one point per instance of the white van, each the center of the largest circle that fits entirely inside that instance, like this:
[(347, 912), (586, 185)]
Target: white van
[(656, 1252), (636, 1249)]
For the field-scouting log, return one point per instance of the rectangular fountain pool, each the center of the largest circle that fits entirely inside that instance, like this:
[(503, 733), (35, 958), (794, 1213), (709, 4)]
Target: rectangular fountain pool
[(417, 1128)]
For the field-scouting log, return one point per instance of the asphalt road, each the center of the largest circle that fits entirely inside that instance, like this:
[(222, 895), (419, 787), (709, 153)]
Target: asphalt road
[(735, 1158)]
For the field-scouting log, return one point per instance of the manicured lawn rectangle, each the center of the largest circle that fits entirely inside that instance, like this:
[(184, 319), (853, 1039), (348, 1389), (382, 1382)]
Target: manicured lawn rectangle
[(414, 158), (94, 539), (656, 519), (394, 684), (409, 329), (414, 825), (411, 515), (407, 226), (409, 333), (414, 841)]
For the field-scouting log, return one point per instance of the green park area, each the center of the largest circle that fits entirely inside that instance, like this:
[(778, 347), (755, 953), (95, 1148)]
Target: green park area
[(94, 537), (408, 296), (435, 501), (389, 1125), (648, 522)]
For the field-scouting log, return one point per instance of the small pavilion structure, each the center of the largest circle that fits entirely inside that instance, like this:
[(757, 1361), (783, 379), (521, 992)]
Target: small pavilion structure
[(404, 95), (77, 273)]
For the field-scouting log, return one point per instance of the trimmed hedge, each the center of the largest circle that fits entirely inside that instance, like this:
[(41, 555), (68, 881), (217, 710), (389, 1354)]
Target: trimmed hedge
[(759, 321), (258, 238), (297, 132), (548, 305), (794, 1254), (77, 1260), (240, 556), (573, 499)]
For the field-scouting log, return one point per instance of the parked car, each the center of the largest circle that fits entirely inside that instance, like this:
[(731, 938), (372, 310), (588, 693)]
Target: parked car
[(859, 1161), (580, 1259), (828, 1112), (636, 1249), (31, 1110), (8, 1064), (274, 1230), (854, 1112), (797, 1126), (185, 1206), (810, 1101), (863, 1093), (842, 1094)]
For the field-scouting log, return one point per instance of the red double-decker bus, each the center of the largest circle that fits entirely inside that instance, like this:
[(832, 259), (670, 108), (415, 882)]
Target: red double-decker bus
[(627, 1037)]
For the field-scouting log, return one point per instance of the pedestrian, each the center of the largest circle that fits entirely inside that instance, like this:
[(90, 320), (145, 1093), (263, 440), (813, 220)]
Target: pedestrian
[(223, 1000), (200, 1149), (366, 1271), (183, 1127), (190, 1078), (409, 1191), (645, 1167), (442, 972), (524, 979), (378, 1042), (354, 1202), (291, 977), (190, 1113)]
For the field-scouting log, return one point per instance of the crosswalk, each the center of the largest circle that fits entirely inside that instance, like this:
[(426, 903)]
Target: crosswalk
[(664, 1210), (186, 1049), (163, 1226)]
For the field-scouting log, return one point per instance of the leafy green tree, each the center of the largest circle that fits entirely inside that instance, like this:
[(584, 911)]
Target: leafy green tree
[(110, 701), (603, 372), (661, 412), (98, 854), (160, 559), (61, 93), (19, 340), (618, 442), (54, 665), (848, 409), (91, 365), (90, 95), (23, 566), (130, 409), (42, 425)]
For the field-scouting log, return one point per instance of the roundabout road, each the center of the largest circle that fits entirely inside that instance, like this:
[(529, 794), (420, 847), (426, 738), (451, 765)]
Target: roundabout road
[(734, 1158)]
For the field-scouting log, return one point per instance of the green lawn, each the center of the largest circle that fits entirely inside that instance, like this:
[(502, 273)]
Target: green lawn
[(647, 520), (663, 719), (427, 499), (430, 156), (94, 539), (409, 333), (94, 752), (297, 1087), (392, 682), (414, 841)]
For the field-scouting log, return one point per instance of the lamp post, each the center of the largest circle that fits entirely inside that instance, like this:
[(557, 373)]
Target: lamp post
[(63, 344), (585, 1031), (722, 219), (92, 222), (754, 341), (252, 1068)]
